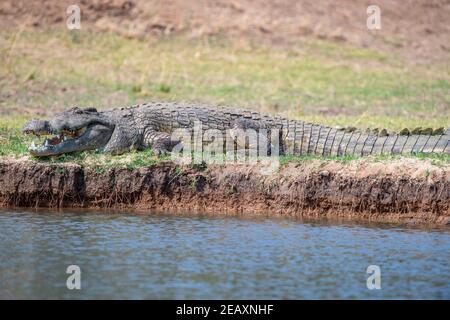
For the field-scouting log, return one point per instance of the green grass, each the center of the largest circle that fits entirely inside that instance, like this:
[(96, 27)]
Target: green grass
[(106, 70), (323, 82), (14, 144), (435, 159)]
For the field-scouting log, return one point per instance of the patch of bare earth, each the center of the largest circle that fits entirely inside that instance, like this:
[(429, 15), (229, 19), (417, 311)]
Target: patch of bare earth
[(406, 191), (416, 29)]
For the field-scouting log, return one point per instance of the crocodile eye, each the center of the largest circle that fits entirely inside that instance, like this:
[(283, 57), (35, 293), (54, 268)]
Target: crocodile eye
[(76, 110)]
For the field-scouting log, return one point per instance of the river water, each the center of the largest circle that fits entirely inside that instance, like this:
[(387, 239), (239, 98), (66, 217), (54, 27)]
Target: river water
[(138, 256)]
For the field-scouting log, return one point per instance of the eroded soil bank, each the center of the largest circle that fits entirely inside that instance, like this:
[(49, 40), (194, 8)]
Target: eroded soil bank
[(406, 190)]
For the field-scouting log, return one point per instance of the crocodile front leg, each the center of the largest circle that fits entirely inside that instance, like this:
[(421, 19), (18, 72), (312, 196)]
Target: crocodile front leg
[(124, 138), (160, 142)]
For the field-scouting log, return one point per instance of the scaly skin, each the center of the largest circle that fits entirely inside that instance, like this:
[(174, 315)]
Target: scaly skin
[(151, 124)]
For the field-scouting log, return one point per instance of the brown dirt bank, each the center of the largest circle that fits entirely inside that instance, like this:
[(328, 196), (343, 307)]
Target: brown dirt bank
[(409, 190)]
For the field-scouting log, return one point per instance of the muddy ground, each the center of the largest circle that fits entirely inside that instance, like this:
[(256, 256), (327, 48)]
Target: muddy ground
[(418, 30), (406, 191)]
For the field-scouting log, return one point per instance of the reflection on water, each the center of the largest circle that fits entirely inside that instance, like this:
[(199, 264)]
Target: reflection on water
[(163, 257)]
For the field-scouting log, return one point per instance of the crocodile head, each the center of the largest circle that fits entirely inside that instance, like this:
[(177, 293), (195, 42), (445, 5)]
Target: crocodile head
[(72, 130)]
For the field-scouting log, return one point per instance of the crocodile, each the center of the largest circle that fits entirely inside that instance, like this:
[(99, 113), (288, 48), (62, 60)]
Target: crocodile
[(151, 124)]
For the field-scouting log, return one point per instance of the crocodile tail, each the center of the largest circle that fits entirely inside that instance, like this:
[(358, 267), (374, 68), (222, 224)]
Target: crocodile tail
[(306, 138), (408, 143)]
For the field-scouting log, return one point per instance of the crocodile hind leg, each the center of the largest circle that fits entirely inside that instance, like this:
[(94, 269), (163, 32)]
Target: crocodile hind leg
[(160, 142)]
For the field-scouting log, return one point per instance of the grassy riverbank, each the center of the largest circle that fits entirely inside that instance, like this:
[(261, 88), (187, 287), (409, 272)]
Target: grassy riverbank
[(43, 72)]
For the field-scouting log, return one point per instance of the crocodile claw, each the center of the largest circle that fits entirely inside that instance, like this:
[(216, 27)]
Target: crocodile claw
[(159, 152)]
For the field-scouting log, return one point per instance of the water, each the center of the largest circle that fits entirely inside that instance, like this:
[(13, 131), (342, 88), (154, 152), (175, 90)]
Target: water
[(171, 257)]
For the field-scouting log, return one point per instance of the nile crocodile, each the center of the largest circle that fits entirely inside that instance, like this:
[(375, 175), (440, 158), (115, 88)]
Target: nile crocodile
[(151, 125)]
